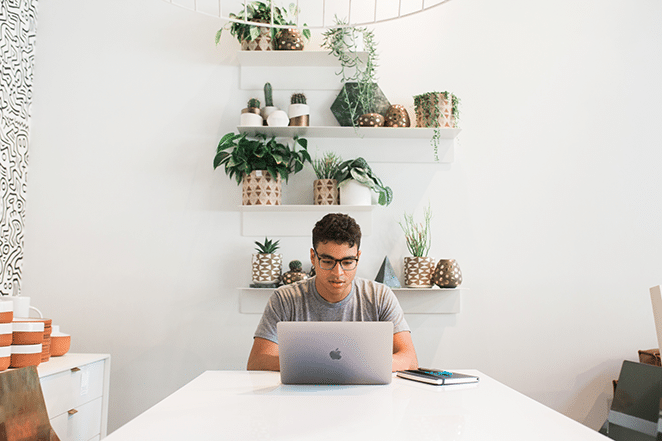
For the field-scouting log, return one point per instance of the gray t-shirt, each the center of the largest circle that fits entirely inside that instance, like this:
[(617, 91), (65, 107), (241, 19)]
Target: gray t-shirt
[(367, 301)]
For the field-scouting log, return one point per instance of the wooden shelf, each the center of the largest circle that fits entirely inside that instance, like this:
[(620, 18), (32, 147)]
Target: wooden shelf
[(412, 300), (297, 220), (350, 132)]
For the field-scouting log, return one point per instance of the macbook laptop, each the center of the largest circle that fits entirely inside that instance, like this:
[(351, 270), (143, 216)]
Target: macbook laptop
[(335, 352)]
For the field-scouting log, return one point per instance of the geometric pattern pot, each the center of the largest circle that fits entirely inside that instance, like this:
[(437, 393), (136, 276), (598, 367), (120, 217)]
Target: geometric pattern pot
[(266, 268), (325, 192), (260, 188), (261, 43), (447, 274), (418, 272), (425, 114)]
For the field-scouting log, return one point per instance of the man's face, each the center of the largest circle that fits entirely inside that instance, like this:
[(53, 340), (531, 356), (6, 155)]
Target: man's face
[(334, 284)]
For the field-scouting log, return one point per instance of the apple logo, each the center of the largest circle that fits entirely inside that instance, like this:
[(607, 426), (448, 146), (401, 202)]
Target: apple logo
[(335, 355)]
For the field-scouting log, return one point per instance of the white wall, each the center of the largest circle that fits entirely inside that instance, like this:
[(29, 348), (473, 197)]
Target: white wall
[(133, 243)]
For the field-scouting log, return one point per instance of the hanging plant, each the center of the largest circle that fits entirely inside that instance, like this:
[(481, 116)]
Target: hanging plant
[(437, 109)]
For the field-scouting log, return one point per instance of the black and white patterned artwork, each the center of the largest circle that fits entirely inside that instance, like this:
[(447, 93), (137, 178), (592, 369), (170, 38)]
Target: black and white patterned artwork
[(18, 31)]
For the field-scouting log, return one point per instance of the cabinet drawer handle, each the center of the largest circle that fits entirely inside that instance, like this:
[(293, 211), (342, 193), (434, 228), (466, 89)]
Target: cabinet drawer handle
[(76, 369), (72, 411)]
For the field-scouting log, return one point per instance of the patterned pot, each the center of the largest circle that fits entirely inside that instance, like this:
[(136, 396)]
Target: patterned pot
[(371, 120), (447, 274), (427, 116), (397, 116), (261, 43), (266, 268), (260, 188), (325, 192), (418, 272), (289, 40)]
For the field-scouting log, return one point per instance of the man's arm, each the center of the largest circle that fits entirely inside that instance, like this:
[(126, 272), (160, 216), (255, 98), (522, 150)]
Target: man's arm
[(264, 356), (404, 354)]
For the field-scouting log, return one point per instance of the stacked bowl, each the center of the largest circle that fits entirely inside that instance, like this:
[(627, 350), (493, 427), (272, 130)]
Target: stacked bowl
[(27, 342), (6, 333)]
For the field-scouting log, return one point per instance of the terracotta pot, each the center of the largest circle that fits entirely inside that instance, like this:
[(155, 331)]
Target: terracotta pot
[(5, 357), (27, 333), (261, 43), (266, 268), (260, 188), (25, 355), (418, 272), (60, 344), (325, 192), (447, 274)]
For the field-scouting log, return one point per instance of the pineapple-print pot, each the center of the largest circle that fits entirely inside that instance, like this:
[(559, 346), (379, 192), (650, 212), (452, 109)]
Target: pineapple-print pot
[(267, 268), (418, 272)]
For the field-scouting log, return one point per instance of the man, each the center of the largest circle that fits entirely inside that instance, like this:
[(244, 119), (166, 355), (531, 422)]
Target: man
[(334, 294)]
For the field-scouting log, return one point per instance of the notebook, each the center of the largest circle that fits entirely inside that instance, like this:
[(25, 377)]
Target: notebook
[(335, 352)]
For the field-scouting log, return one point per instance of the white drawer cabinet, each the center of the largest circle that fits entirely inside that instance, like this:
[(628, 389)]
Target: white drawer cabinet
[(75, 388)]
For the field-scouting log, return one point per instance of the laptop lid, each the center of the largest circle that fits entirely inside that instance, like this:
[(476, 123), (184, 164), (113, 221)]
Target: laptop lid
[(335, 352)]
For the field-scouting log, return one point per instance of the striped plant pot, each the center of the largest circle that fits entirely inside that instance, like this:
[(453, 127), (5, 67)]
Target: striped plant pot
[(325, 192), (418, 272), (266, 268), (260, 188)]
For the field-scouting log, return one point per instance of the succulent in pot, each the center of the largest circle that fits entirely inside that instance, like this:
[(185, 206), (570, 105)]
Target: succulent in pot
[(260, 164), (325, 187), (250, 116), (355, 175), (419, 268), (295, 273), (299, 111), (266, 263)]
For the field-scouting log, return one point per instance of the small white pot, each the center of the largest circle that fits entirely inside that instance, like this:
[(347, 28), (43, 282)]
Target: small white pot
[(355, 193), (298, 110), (268, 110), (251, 119), (278, 118)]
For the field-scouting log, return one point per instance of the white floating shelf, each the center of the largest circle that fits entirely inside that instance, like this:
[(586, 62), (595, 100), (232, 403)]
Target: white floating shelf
[(396, 144), (412, 300), (297, 220), (299, 70)]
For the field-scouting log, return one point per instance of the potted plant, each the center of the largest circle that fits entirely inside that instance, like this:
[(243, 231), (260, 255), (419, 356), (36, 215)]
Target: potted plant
[(254, 37), (260, 164), (437, 109), (269, 107), (325, 187), (266, 264), (360, 93), (250, 116), (356, 179), (295, 273), (299, 111), (418, 268)]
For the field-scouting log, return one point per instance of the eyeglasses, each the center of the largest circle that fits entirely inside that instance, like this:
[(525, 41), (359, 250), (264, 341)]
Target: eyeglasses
[(328, 263)]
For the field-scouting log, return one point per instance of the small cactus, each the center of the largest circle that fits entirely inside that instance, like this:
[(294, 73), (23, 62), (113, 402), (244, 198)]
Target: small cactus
[(298, 98), (295, 265), (268, 95), (254, 102)]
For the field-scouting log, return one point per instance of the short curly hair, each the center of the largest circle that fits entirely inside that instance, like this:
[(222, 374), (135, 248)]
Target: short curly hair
[(339, 228)]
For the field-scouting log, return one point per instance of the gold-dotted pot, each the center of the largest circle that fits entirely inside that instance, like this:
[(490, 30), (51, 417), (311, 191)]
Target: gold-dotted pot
[(447, 274)]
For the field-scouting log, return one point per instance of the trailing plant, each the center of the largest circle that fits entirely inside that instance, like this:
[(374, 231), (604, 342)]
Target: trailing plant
[(359, 170), (327, 167), (268, 95), (417, 235), (342, 41), (429, 104), (240, 156), (267, 247), (260, 12), (298, 98)]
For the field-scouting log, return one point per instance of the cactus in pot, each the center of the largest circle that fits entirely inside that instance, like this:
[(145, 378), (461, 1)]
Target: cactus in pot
[(295, 273), (299, 110), (250, 116), (269, 107)]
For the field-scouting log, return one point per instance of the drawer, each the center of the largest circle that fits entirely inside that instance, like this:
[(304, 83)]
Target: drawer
[(82, 424), (72, 388)]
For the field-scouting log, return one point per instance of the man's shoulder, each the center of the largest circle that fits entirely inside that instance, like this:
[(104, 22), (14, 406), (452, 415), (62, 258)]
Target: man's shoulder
[(295, 289)]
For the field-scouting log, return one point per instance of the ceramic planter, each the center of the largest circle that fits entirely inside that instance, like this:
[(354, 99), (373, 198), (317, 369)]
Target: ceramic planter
[(427, 116), (289, 40), (447, 274), (397, 116), (355, 193), (299, 114), (261, 43), (418, 272), (325, 192), (349, 91), (278, 118), (251, 119), (371, 120), (260, 188), (266, 268), (266, 111)]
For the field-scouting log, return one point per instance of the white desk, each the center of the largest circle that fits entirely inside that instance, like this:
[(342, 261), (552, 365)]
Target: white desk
[(239, 405)]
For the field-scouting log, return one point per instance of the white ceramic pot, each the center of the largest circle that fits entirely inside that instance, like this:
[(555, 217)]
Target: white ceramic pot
[(278, 118), (268, 110), (251, 119), (298, 110), (355, 193)]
